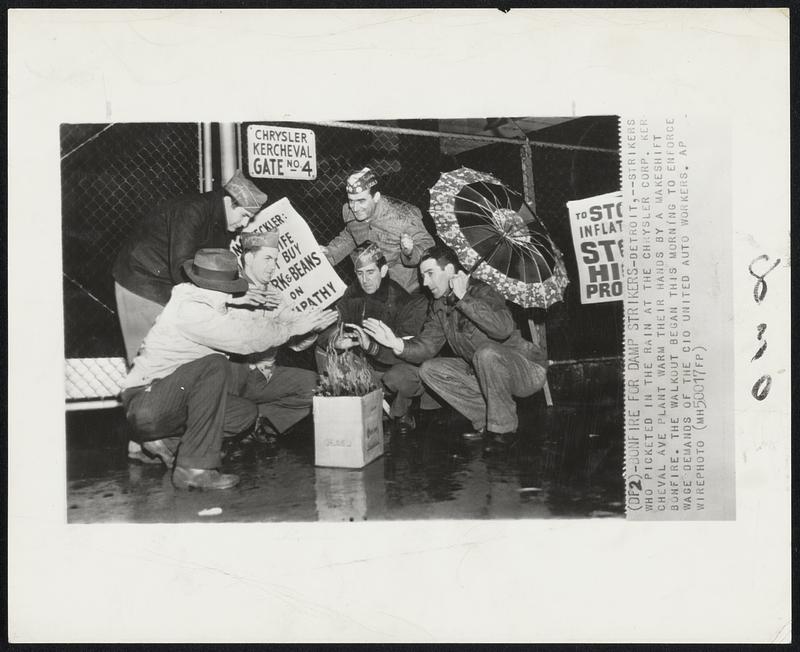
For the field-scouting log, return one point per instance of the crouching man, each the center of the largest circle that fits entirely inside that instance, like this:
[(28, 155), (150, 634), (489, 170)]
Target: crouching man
[(494, 363), (375, 295), (283, 394), (182, 383)]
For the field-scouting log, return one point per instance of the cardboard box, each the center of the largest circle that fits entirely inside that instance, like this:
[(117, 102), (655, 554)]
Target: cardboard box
[(348, 430)]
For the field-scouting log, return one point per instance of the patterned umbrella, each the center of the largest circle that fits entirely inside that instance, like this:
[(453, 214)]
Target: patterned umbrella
[(496, 235)]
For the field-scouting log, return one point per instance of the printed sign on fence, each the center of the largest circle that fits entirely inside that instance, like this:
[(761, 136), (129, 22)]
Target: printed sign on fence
[(281, 152), (597, 235), (303, 273)]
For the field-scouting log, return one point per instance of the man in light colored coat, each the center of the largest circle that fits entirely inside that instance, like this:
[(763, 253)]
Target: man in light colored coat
[(182, 383)]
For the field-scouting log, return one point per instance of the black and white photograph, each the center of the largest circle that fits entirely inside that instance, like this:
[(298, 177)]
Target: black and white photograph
[(398, 325), (342, 321)]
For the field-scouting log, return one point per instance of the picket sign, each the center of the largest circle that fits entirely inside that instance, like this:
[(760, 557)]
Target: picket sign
[(303, 274), (596, 224)]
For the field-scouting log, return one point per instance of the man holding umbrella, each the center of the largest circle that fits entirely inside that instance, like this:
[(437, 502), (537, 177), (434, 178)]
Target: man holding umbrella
[(495, 363)]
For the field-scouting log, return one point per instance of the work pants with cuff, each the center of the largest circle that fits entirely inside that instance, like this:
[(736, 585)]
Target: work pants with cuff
[(484, 390), (194, 402)]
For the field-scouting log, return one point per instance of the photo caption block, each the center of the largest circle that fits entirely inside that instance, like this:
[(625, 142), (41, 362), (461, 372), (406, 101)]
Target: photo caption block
[(679, 436)]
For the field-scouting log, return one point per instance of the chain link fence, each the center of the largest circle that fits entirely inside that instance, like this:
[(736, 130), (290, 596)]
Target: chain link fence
[(113, 174)]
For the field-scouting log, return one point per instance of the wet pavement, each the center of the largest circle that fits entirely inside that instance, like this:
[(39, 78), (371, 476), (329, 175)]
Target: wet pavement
[(567, 464)]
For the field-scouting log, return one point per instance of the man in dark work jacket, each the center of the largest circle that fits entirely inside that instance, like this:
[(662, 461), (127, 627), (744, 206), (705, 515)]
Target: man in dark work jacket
[(375, 295), (494, 363), (149, 264)]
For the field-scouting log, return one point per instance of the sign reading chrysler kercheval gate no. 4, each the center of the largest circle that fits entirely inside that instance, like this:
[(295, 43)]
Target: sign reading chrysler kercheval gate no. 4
[(281, 152)]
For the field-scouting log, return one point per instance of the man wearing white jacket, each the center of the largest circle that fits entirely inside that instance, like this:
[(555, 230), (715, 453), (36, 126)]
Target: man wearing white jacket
[(182, 383)]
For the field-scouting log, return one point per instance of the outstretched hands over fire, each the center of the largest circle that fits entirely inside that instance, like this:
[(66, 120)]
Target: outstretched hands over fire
[(382, 334), (313, 321)]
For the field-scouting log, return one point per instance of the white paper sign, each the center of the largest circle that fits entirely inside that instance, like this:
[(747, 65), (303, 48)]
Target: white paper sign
[(281, 152), (303, 273), (597, 233)]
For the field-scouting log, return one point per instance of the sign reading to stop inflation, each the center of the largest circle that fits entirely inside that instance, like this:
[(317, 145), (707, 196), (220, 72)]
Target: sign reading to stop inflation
[(281, 152)]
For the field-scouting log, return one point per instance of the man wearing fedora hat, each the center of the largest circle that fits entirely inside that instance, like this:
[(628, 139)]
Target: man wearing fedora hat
[(394, 226), (150, 263), (182, 383)]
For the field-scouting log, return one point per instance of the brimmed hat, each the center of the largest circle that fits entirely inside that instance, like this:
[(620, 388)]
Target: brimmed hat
[(361, 181), (215, 269), (245, 192), (257, 239)]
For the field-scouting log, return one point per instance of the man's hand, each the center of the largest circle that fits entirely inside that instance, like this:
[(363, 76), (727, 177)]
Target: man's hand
[(459, 284), (406, 244), (273, 298), (382, 334), (344, 342), (315, 320), (363, 339), (253, 297)]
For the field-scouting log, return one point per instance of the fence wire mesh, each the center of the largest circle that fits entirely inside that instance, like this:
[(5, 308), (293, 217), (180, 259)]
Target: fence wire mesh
[(113, 174)]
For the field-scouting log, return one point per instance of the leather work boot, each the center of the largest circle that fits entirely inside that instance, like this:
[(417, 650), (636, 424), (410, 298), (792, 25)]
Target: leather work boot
[(498, 441), (183, 478), (159, 449)]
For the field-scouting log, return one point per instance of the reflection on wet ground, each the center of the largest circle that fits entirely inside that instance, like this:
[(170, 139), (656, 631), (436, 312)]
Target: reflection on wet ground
[(567, 464)]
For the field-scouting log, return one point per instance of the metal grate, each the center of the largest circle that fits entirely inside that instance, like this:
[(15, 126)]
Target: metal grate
[(94, 378)]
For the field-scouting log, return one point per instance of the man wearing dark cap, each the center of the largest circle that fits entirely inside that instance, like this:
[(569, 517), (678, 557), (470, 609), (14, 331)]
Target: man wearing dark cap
[(150, 262), (182, 383), (375, 295), (394, 226)]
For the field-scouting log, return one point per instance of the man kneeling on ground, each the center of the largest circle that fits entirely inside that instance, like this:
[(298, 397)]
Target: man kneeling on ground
[(182, 383), (283, 394), (375, 295), (494, 363)]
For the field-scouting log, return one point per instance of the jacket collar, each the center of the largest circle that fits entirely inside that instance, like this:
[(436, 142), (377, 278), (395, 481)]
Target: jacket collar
[(381, 294)]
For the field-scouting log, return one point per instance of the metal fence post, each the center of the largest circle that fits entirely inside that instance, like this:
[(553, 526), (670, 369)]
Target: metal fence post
[(227, 149)]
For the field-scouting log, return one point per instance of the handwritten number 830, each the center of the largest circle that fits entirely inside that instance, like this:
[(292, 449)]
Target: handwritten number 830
[(761, 387)]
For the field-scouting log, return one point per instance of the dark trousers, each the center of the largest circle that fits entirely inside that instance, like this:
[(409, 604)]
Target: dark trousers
[(196, 403), (284, 399), (484, 391), (404, 382)]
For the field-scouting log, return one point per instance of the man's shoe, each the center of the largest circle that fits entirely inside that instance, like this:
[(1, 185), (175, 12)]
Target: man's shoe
[(159, 449), (405, 424), (498, 441), (473, 435), (262, 433), (183, 478)]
